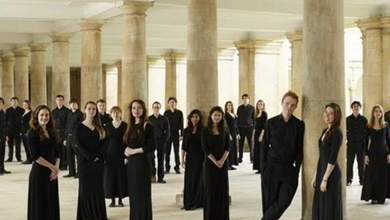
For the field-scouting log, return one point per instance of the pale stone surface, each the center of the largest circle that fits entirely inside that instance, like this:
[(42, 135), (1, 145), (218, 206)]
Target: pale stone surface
[(323, 82), (8, 60), (385, 24), (170, 76), (1, 77), (104, 81), (119, 70), (246, 69), (21, 73), (38, 75)]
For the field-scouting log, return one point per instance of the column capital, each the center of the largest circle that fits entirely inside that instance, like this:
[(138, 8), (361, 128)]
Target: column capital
[(369, 23), (118, 64), (8, 57), (21, 52), (169, 57), (136, 7), (61, 36), (91, 24), (385, 24), (294, 36), (38, 47), (245, 44)]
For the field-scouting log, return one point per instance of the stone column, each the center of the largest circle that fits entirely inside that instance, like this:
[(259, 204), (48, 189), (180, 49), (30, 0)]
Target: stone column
[(91, 64), (385, 23), (38, 75), (202, 55), (134, 84), (21, 73), (119, 89), (1, 77), (104, 81), (61, 68), (8, 77), (246, 69), (170, 75), (323, 82), (295, 38), (372, 63)]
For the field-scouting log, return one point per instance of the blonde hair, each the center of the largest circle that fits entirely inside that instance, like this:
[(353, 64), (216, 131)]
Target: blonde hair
[(371, 122), (257, 108)]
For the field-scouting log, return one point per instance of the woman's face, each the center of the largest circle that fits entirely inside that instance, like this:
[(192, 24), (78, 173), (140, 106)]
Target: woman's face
[(136, 110), (117, 115), (229, 107), (43, 117), (260, 106), (216, 117), (195, 119), (378, 113), (329, 115), (25, 106), (90, 110)]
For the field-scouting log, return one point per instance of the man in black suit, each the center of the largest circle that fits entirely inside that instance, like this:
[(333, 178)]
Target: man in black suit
[(13, 119), (2, 138), (60, 116)]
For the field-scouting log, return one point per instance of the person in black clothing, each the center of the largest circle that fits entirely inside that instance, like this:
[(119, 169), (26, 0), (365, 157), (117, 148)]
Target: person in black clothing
[(75, 117), (104, 117), (327, 202), (356, 133), (25, 128), (43, 196), (258, 133), (281, 155), (2, 138), (14, 120), (192, 161), (245, 121), (60, 115), (231, 120), (161, 132), (175, 118), (140, 140)]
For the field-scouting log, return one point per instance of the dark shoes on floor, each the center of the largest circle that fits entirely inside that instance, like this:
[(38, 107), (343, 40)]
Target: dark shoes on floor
[(177, 170), (2, 172), (349, 183), (162, 181), (27, 162)]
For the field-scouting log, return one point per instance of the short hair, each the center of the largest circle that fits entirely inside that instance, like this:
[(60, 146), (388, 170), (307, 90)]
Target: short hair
[(156, 102), (14, 98), (60, 96), (100, 101), (356, 103), (172, 98), (115, 109), (2, 100), (244, 95), (292, 95), (74, 101)]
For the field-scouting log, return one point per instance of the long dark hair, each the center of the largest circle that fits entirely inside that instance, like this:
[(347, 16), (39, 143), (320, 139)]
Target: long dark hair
[(50, 126), (221, 125), (28, 104), (131, 121), (226, 108), (337, 118), (190, 126), (96, 120)]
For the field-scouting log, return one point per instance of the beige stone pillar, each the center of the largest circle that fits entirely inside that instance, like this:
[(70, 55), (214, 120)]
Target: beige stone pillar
[(104, 81), (1, 77), (119, 89), (202, 55), (372, 63), (246, 69), (91, 64), (38, 75), (8, 77), (323, 82), (21, 73), (170, 75), (61, 68), (295, 38), (385, 23)]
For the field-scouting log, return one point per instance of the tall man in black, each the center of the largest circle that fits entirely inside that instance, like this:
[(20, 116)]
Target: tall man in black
[(2, 138), (356, 133), (161, 132), (175, 118), (75, 117), (14, 127), (104, 117), (280, 159), (60, 115), (245, 121)]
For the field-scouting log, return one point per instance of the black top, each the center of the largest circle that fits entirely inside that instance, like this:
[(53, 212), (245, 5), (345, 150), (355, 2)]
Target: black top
[(175, 120), (232, 123), (380, 139), (88, 143), (161, 126), (26, 122), (105, 118), (283, 141), (215, 144), (46, 148), (192, 143), (329, 147), (73, 119), (14, 119), (246, 116), (356, 128), (2, 125), (260, 122), (60, 116), (387, 117), (147, 142)]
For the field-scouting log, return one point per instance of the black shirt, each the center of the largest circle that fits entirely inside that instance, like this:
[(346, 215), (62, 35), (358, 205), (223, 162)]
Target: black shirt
[(356, 128), (175, 121), (105, 118), (14, 119), (246, 116), (283, 141), (160, 126), (60, 115), (387, 117), (2, 125), (26, 122), (73, 119)]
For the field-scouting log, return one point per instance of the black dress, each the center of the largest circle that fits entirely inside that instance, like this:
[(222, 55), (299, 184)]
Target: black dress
[(115, 177), (91, 203), (376, 176), (233, 130), (216, 180), (43, 199), (328, 205), (25, 127), (259, 126), (138, 174), (193, 176)]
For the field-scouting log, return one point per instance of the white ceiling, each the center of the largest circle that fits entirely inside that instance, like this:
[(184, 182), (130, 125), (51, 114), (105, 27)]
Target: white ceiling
[(25, 21)]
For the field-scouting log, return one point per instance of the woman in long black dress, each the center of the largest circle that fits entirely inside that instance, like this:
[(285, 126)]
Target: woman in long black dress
[(216, 145), (140, 140), (327, 204), (115, 179), (192, 161), (231, 120), (25, 127), (376, 177), (258, 133), (43, 199), (90, 139)]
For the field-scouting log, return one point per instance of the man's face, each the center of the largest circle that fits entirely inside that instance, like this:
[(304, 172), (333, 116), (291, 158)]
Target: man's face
[(1, 104), (355, 109), (14, 102), (73, 106), (245, 100), (289, 105), (172, 104), (101, 107), (156, 108), (59, 101)]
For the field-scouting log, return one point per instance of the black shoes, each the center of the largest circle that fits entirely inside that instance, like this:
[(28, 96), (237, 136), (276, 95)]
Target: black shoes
[(177, 170), (8, 161), (69, 175), (120, 204), (231, 168), (27, 162), (111, 205), (166, 171), (4, 172), (349, 183), (239, 160), (162, 181), (258, 172), (153, 178)]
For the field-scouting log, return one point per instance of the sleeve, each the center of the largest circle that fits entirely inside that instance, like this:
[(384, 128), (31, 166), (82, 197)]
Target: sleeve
[(80, 148), (181, 121), (67, 126), (6, 122), (57, 151), (337, 140), (265, 144), (387, 138), (167, 128), (227, 141), (150, 140), (32, 143), (205, 143), (365, 130), (184, 145), (301, 133), (238, 115), (366, 142)]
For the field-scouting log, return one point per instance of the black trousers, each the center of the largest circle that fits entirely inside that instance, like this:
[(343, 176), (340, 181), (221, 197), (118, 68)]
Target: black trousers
[(175, 140), (279, 183), (2, 153), (161, 143), (62, 151), (26, 149), (355, 149), (245, 132), (71, 155), (14, 138)]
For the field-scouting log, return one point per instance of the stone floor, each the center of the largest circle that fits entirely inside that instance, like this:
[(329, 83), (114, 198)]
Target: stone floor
[(244, 189)]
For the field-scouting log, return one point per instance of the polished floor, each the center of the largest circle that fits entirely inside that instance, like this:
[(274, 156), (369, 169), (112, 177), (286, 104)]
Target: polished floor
[(244, 189)]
